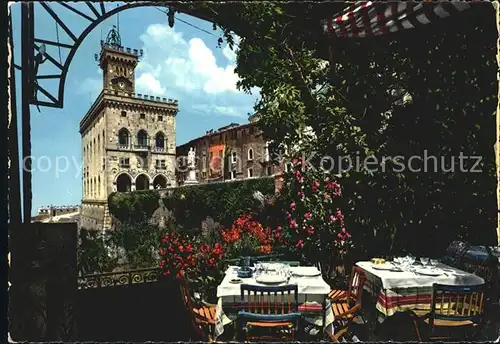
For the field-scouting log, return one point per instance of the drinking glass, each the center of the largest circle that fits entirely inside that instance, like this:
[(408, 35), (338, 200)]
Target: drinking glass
[(424, 261), (434, 262), (258, 269), (411, 260)]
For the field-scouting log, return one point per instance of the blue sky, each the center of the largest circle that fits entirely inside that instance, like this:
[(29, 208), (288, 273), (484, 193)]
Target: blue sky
[(182, 63)]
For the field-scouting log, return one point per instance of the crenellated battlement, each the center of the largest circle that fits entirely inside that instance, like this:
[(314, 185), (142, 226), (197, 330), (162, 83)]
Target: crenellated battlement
[(143, 97), (120, 48)]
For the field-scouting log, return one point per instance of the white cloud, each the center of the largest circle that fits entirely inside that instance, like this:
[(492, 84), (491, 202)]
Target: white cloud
[(148, 83), (186, 70), (188, 67), (91, 87)]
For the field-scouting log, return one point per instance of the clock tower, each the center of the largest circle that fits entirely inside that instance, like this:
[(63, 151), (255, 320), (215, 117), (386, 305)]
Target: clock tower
[(128, 138), (117, 64)]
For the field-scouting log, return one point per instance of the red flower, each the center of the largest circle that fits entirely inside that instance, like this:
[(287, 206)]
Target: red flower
[(292, 205), (308, 215), (300, 243), (310, 230), (204, 248), (293, 224), (315, 186)]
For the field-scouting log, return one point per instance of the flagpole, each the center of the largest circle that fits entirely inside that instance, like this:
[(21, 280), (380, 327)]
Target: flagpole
[(496, 5)]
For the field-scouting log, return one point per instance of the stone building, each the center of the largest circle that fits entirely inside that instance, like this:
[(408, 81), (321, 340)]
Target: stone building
[(48, 212), (128, 139), (229, 153)]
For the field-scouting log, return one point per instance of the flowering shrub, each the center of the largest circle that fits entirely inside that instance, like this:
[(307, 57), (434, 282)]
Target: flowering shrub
[(247, 237), (178, 255), (201, 263), (314, 225)]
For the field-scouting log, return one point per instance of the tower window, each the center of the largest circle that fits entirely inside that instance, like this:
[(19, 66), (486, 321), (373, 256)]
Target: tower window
[(160, 164), (124, 162), (142, 138), (160, 118), (250, 173), (123, 137), (143, 116), (124, 113)]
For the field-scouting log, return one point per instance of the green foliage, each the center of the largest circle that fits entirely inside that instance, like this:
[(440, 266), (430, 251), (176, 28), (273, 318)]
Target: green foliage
[(222, 202), (444, 78), (92, 254), (133, 207), (139, 242)]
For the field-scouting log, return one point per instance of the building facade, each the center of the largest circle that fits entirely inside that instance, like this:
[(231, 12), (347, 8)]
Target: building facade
[(233, 152), (48, 212), (128, 139)]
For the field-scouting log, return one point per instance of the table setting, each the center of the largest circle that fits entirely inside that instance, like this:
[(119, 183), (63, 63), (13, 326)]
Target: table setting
[(405, 283), (312, 290)]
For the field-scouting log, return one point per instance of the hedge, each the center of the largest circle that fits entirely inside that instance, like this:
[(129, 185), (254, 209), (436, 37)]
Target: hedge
[(191, 204)]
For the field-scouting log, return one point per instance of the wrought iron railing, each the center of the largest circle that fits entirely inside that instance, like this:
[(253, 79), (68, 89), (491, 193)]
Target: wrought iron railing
[(111, 279)]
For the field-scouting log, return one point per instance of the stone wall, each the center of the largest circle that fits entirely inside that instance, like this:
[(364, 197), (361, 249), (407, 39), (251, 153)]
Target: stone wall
[(92, 215)]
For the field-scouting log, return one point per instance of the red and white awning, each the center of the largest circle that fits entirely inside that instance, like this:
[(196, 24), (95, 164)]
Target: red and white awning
[(372, 18)]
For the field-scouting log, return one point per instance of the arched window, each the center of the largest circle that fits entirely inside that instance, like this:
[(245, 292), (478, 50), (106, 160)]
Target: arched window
[(123, 137), (250, 154), (142, 182), (98, 186), (123, 183), (142, 138), (160, 141)]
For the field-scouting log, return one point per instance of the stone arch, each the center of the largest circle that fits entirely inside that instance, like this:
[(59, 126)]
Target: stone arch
[(123, 182), (142, 182), (124, 137), (160, 140), (160, 181), (142, 137)]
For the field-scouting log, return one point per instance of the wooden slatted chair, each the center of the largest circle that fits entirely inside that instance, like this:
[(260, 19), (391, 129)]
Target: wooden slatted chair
[(290, 323), (355, 286), (342, 327), (276, 303), (347, 308), (201, 315), (454, 308)]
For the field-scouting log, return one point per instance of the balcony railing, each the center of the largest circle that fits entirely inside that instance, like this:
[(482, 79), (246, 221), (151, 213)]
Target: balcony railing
[(160, 149), (142, 147), (123, 146)]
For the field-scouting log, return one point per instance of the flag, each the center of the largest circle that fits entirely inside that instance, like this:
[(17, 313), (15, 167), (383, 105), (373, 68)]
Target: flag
[(371, 18)]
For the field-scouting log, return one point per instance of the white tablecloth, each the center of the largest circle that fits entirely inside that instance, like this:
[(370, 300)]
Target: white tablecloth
[(312, 290), (407, 279), (403, 291)]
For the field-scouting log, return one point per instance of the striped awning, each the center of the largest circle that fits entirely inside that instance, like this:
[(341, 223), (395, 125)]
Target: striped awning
[(372, 18)]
